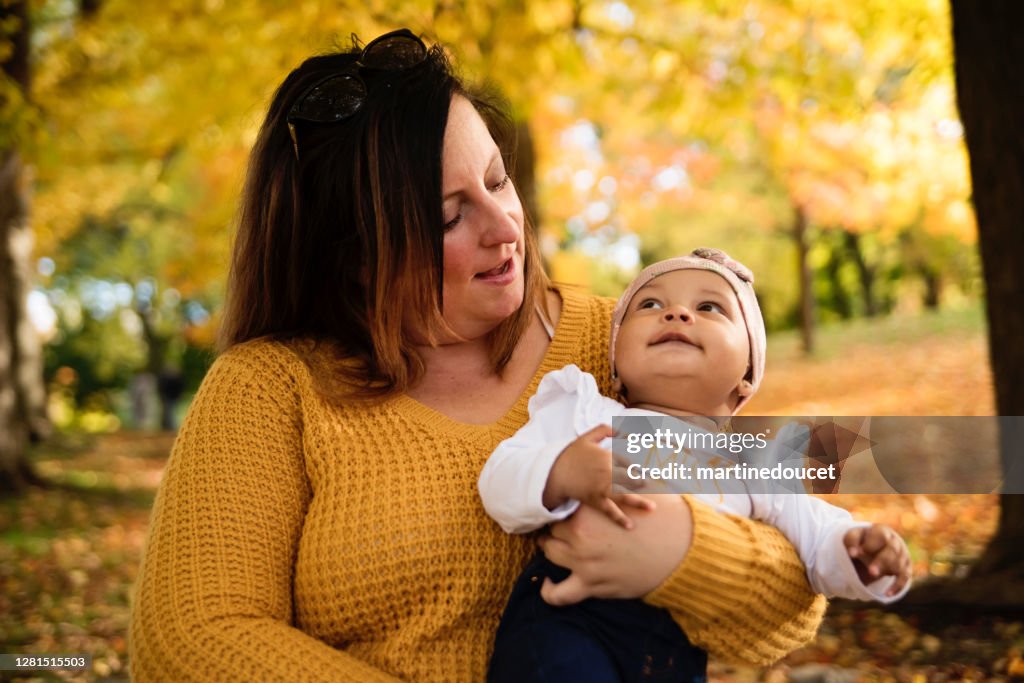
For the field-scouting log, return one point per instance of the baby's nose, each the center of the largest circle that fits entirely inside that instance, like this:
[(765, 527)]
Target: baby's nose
[(677, 312)]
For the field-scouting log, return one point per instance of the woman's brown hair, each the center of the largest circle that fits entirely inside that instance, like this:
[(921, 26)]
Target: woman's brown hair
[(340, 247)]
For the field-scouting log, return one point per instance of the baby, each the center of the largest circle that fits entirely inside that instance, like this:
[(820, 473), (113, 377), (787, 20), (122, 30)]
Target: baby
[(687, 340)]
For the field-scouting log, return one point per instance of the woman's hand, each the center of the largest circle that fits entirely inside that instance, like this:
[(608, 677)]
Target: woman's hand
[(608, 561)]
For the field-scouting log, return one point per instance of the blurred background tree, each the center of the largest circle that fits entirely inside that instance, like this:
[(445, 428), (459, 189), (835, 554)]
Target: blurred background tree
[(22, 394), (991, 98)]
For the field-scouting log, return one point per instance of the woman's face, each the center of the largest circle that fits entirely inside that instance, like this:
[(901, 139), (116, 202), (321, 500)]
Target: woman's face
[(483, 241)]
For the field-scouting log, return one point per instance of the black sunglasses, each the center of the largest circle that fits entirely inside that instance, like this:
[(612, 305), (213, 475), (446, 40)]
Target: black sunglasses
[(338, 97)]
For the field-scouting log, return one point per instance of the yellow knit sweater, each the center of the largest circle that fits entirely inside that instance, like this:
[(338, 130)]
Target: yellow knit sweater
[(295, 540)]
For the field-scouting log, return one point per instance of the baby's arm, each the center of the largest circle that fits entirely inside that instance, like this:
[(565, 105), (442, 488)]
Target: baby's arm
[(832, 545), (514, 478), (583, 472), (541, 473)]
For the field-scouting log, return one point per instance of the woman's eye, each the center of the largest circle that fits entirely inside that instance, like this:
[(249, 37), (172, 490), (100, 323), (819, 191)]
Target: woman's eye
[(501, 184), (711, 306), (453, 222), (649, 303)]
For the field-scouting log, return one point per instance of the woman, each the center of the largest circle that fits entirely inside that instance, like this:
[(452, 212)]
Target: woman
[(387, 321)]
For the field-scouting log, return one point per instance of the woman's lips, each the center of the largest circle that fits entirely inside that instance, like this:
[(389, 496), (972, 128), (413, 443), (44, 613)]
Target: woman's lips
[(499, 275)]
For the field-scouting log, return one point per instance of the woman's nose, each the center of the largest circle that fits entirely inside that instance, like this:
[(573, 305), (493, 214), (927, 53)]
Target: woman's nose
[(677, 312), (503, 225)]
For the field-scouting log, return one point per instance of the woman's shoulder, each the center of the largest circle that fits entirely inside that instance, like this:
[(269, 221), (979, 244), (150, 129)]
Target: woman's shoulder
[(595, 309), (259, 355), (273, 365), (586, 324)]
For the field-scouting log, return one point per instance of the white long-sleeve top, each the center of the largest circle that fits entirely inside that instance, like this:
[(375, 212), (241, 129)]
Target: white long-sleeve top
[(568, 404)]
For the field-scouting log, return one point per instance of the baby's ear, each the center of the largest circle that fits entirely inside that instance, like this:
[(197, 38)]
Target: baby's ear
[(745, 388), (617, 388)]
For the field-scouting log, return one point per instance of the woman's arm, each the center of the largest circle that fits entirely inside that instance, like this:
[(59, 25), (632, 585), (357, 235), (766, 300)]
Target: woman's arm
[(213, 599), (735, 586)]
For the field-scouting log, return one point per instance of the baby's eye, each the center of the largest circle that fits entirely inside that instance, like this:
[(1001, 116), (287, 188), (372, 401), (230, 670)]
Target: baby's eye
[(711, 306), (649, 303)]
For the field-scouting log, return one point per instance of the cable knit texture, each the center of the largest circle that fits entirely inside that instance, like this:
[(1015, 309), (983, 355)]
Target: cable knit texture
[(737, 599), (292, 539)]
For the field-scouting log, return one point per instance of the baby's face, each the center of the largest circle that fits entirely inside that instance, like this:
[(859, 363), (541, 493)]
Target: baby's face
[(683, 344)]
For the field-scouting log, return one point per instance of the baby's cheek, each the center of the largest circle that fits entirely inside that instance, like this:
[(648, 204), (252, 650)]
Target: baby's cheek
[(736, 352)]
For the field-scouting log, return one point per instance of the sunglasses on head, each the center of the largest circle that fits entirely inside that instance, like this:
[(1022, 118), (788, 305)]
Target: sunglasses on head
[(338, 97)]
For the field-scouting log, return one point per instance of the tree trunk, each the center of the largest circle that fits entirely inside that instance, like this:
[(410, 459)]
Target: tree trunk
[(13, 434), (932, 288), (22, 392), (840, 301), (865, 271), (990, 95), (806, 282)]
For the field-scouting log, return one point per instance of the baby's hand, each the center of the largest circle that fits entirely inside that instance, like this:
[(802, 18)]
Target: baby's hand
[(878, 551), (583, 471), (612, 505)]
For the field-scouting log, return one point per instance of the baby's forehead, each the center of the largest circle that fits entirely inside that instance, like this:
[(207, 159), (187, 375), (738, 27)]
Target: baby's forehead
[(687, 279)]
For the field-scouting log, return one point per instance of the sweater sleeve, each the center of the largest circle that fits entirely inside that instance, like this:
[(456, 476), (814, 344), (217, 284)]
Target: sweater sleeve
[(741, 592), (213, 597)]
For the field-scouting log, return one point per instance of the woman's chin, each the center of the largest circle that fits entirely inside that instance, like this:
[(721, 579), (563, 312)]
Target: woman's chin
[(483, 321), (509, 302), (501, 314)]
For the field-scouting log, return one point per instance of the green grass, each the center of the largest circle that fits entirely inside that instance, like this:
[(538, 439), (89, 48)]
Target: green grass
[(834, 339)]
